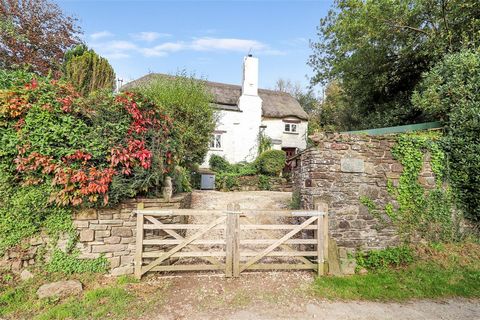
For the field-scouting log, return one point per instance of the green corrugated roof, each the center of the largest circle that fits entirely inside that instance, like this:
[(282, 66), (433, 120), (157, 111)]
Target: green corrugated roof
[(399, 129)]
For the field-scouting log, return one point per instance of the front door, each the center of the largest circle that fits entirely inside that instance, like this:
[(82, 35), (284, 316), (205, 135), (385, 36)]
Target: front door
[(290, 152)]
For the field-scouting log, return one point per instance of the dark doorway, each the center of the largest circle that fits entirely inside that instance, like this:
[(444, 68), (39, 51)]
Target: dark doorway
[(290, 152)]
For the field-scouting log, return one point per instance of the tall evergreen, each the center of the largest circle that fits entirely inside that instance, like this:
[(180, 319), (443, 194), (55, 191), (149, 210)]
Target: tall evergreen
[(87, 71)]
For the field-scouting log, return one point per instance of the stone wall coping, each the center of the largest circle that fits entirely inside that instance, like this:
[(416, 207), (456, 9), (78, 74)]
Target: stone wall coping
[(176, 198), (348, 137)]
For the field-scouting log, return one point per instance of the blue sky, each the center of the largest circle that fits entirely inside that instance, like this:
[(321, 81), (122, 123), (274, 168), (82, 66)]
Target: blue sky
[(207, 38)]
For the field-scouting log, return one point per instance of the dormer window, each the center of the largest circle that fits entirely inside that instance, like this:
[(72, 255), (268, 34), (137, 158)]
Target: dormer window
[(291, 127)]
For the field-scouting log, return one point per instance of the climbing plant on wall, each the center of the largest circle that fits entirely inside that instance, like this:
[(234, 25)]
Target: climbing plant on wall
[(418, 211)]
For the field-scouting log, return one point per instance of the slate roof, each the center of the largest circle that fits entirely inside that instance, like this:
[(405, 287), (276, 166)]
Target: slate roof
[(276, 104)]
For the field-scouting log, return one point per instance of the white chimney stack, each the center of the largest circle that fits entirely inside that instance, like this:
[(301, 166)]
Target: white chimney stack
[(250, 76)]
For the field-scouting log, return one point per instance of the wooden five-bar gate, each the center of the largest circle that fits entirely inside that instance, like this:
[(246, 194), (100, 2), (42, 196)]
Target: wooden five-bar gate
[(231, 240)]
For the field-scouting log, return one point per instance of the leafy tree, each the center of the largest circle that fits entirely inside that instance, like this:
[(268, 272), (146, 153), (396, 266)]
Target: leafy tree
[(450, 92), (378, 49), (87, 71), (35, 33), (333, 113), (186, 100), (306, 98)]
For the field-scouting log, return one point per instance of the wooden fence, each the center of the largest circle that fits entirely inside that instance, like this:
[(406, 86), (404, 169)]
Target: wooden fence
[(231, 240)]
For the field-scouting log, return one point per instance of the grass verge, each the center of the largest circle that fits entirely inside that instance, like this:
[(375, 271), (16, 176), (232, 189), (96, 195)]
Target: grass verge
[(103, 298), (439, 271)]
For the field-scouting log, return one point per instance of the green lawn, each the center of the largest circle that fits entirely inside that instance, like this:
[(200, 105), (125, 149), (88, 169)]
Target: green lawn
[(426, 280), (439, 272)]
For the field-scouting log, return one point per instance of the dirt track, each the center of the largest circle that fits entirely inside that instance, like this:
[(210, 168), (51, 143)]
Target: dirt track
[(276, 295), (285, 295)]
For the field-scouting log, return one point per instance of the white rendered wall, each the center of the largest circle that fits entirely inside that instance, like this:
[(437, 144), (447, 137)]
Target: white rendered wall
[(228, 121), (275, 129), (249, 128)]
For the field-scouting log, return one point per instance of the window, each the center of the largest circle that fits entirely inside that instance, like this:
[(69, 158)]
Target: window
[(290, 127), (216, 141)]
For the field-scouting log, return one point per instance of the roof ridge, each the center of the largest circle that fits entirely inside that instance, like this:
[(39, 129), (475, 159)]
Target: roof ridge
[(236, 86)]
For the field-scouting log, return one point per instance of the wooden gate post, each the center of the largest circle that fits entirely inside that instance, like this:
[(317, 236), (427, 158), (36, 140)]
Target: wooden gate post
[(139, 242), (232, 241), (322, 239)]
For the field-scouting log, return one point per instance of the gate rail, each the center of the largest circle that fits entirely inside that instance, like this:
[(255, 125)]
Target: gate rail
[(238, 253)]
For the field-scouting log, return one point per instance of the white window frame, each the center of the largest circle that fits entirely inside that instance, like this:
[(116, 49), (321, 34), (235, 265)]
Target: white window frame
[(216, 141), (290, 127)]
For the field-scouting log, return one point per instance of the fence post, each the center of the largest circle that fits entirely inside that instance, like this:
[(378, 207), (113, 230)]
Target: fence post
[(232, 242), (322, 238), (325, 240), (139, 242), (236, 241)]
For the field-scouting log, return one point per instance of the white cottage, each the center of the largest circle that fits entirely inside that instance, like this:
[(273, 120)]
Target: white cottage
[(245, 112)]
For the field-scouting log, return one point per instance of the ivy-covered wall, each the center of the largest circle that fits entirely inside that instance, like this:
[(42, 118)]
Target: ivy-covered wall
[(380, 190)]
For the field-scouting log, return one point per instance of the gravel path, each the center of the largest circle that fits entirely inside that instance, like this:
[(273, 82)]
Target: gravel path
[(262, 200)]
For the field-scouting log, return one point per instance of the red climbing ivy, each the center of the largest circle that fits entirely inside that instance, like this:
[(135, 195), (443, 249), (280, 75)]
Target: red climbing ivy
[(87, 149)]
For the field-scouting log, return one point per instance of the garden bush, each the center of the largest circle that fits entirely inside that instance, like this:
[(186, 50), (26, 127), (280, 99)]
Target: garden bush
[(186, 100), (219, 164), (59, 150), (449, 92), (271, 162)]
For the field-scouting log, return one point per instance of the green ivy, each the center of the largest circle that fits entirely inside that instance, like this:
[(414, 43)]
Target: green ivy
[(382, 259), (70, 263), (419, 211)]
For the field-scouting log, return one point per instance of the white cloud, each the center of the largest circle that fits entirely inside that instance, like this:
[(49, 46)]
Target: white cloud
[(149, 36), (116, 55), (162, 49), (226, 44), (120, 45), (117, 49), (100, 35)]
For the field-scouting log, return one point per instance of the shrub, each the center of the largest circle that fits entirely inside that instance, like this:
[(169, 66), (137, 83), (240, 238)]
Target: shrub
[(186, 100), (383, 259), (181, 180), (244, 169), (59, 150), (271, 162), (219, 164), (226, 181), (450, 92), (296, 201)]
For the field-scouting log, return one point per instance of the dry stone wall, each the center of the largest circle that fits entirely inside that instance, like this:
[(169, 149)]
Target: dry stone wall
[(112, 232), (342, 169), (108, 232)]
